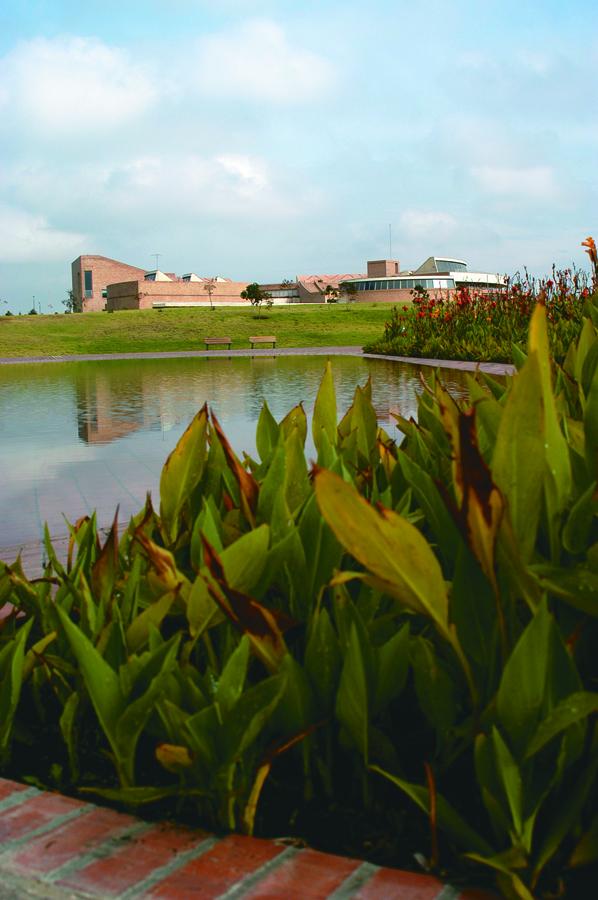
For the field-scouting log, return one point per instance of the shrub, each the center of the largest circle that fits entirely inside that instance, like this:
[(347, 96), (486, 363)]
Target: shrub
[(396, 628)]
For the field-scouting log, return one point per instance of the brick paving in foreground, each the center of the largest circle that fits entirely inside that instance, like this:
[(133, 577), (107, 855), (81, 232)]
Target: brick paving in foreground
[(56, 847)]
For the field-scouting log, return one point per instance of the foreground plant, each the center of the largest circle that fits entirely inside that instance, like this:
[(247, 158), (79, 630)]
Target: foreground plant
[(390, 628)]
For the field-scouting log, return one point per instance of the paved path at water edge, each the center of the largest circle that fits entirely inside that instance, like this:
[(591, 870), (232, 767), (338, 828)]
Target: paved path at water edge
[(463, 365)]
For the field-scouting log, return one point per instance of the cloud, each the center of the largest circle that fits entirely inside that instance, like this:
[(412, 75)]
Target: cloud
[(535, 182), (73, 86), (25, 237), (251, 175), (257, 61), (187, 181), (433, 225)]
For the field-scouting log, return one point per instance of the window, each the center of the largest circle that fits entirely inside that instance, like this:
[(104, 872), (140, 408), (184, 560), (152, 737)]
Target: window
[(88, 283), (450, 265)]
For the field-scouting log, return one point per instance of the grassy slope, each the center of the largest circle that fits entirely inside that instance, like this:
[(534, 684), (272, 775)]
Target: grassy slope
[(184, 329)]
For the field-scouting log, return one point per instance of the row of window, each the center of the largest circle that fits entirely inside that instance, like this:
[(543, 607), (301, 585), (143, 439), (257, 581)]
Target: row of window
[(396, 284), (450, 265)]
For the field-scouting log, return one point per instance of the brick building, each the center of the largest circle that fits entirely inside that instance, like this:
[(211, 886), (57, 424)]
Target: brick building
[(441, 275), (91, 276)]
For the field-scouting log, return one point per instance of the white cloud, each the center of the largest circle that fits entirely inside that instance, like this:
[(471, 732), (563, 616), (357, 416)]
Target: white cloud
[(536, 182), (186, 181), (257, 61), (433, 225), (73, 85), (25, 237), (250, 174)]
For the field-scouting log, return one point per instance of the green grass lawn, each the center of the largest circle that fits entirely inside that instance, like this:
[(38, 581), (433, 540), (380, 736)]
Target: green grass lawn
[(184, 329)]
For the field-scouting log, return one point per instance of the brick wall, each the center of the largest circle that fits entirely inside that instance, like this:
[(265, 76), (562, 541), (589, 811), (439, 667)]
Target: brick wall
[(143, 294), (104, 271)]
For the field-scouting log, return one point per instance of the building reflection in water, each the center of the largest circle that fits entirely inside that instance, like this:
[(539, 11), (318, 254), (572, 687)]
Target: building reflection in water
[(117, 399)]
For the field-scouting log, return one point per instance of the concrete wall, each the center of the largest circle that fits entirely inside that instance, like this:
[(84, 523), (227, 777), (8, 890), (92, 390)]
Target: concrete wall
[(143, 294), (104, 271)]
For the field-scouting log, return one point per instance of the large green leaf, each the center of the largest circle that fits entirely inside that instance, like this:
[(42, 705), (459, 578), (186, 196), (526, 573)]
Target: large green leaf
[(182, 472), (557, 466), (388, 546), (517, 463), (325, 415), (101, 681), (537, 676)]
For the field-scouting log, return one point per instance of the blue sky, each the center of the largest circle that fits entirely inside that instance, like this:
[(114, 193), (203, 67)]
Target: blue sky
[(261, 140)]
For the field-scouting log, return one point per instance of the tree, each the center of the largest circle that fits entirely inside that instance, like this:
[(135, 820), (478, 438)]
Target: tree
[(8, 313), (210, 287), (73, 303), (331, 294), (257, 297), (32, 311), (350, 290)]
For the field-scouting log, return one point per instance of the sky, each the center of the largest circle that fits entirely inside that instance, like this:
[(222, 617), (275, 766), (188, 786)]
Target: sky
[(260, 140)]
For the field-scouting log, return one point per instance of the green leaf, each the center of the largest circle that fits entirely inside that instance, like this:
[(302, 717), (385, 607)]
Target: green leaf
[(448, 818), (441, 522), (323, 658), (321, 548), (388, 546), (352, 701), (294, 419), (435, 689), (102, 682), (576, 533), (181, 473), (392, 669), (591, 425), (12, 658), (569, 711), (297, 487), (538, 674), (232, 680), (511, 780), (266, 437), (516, 463), (67, 723), (325, 414), (249, 715), (138, 631)]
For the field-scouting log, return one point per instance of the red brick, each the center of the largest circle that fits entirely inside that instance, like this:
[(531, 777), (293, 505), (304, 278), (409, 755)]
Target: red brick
[(7, 788), (68, 841), (395, 883), (309, 875), (16, 822), (130, 863), (231, 860)]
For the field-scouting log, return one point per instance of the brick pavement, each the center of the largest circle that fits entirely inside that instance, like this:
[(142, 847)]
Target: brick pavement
[(54, 847)]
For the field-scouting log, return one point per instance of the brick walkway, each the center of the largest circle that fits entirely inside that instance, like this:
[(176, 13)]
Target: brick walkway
[(53, 846)]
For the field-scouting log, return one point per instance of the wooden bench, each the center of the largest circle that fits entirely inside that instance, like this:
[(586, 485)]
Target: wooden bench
[(263, 339), (211, 341)]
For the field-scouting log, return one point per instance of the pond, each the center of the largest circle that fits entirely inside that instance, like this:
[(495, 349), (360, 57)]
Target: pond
[(75, 437)]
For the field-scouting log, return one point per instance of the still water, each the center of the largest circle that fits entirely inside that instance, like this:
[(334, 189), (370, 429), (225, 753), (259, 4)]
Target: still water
[(75, 437)]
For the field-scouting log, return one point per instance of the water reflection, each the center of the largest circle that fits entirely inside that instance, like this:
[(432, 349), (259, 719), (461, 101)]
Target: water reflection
[(84, 436)]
